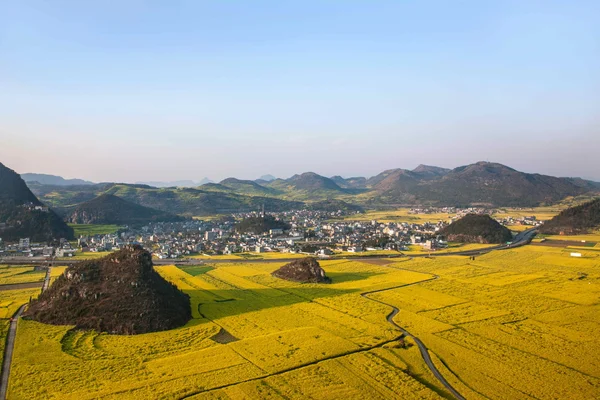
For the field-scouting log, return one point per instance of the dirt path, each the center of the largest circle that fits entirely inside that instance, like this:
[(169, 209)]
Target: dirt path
[(11, 336)]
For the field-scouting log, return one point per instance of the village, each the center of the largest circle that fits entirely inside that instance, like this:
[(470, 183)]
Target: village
[(311, 232)]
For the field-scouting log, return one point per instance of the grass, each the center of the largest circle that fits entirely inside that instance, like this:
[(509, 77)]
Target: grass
[(92, 229), (516, 324)]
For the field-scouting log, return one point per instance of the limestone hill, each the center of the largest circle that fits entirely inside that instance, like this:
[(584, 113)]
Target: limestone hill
[(260, 224), (119, 294), (305, 270), (473, 228), (574, 220)]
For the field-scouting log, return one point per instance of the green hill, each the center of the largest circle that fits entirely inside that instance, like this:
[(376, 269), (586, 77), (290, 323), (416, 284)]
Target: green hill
[(110, 209), (574, 220)]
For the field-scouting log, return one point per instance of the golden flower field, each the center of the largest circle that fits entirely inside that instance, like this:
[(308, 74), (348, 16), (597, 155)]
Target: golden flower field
[(512, 324)]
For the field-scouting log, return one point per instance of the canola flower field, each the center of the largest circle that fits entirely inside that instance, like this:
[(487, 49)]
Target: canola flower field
[(518, 324)]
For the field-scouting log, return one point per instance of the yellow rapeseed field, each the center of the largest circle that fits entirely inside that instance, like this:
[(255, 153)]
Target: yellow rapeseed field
[(12, 275), (515, 324)]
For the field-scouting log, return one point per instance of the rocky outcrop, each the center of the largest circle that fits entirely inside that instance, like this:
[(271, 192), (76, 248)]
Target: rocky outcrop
[(119, 294), (306, 270)]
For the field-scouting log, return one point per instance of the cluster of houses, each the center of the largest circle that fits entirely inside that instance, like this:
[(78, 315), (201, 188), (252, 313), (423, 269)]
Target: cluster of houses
[(26, 248), (313, 232)]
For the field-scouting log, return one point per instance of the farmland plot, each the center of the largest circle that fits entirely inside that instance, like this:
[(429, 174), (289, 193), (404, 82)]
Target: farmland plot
[(516, 324)]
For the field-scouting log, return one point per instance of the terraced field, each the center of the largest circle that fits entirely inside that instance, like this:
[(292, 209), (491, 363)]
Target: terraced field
[(516, 324)]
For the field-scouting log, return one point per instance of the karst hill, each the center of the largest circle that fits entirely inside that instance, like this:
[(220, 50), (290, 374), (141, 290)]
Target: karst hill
[(119, 294), (474, 228), (305, 270)]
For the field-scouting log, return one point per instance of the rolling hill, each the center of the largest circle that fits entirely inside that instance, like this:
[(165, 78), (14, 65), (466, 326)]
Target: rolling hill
[(23, 215), (357, 182), (482, 183), (479, 184), (110, 209)]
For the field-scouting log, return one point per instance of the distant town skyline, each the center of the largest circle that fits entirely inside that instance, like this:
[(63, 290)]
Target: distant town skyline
[(163, 91)]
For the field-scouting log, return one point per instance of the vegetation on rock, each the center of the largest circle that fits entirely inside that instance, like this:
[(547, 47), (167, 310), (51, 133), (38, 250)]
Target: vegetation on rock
[(474, 228), (305, 270), (260, 224), (23, 215), (119, 294)]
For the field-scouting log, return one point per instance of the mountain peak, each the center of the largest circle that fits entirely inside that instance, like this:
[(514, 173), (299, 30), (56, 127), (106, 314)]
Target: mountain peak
[(267, 177), (430, 169)]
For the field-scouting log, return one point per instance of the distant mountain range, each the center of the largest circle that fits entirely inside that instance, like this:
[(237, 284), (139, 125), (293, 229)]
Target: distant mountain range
[(22, 215), (184, 183), (46, 179), (478, 184)]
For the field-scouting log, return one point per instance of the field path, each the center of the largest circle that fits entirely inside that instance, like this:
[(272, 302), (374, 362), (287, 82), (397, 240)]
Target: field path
[(420, 344), (10, 342)]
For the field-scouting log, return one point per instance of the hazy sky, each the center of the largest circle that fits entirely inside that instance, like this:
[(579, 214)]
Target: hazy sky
[(134, 90)]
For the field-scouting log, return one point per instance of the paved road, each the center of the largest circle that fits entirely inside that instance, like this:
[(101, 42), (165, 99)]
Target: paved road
[(420, 344), (521, 239), (10, 341)]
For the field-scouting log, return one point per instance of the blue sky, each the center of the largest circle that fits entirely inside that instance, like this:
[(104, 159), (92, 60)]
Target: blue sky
[(164, 90)]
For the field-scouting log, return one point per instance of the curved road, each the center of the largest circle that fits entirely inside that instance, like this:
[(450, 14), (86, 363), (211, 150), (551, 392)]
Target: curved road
[(520, 239), (422, 347)]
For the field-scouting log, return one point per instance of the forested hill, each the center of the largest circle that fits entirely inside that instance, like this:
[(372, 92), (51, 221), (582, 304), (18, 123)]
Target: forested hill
[(110, 209), (473, 228), (574, 220), (22, 215)]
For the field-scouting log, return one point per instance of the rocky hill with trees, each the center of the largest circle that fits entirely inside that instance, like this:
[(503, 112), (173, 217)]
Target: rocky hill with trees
[(260, 224), (305, 270), (474, 228), (574, 220), (119, 294)]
